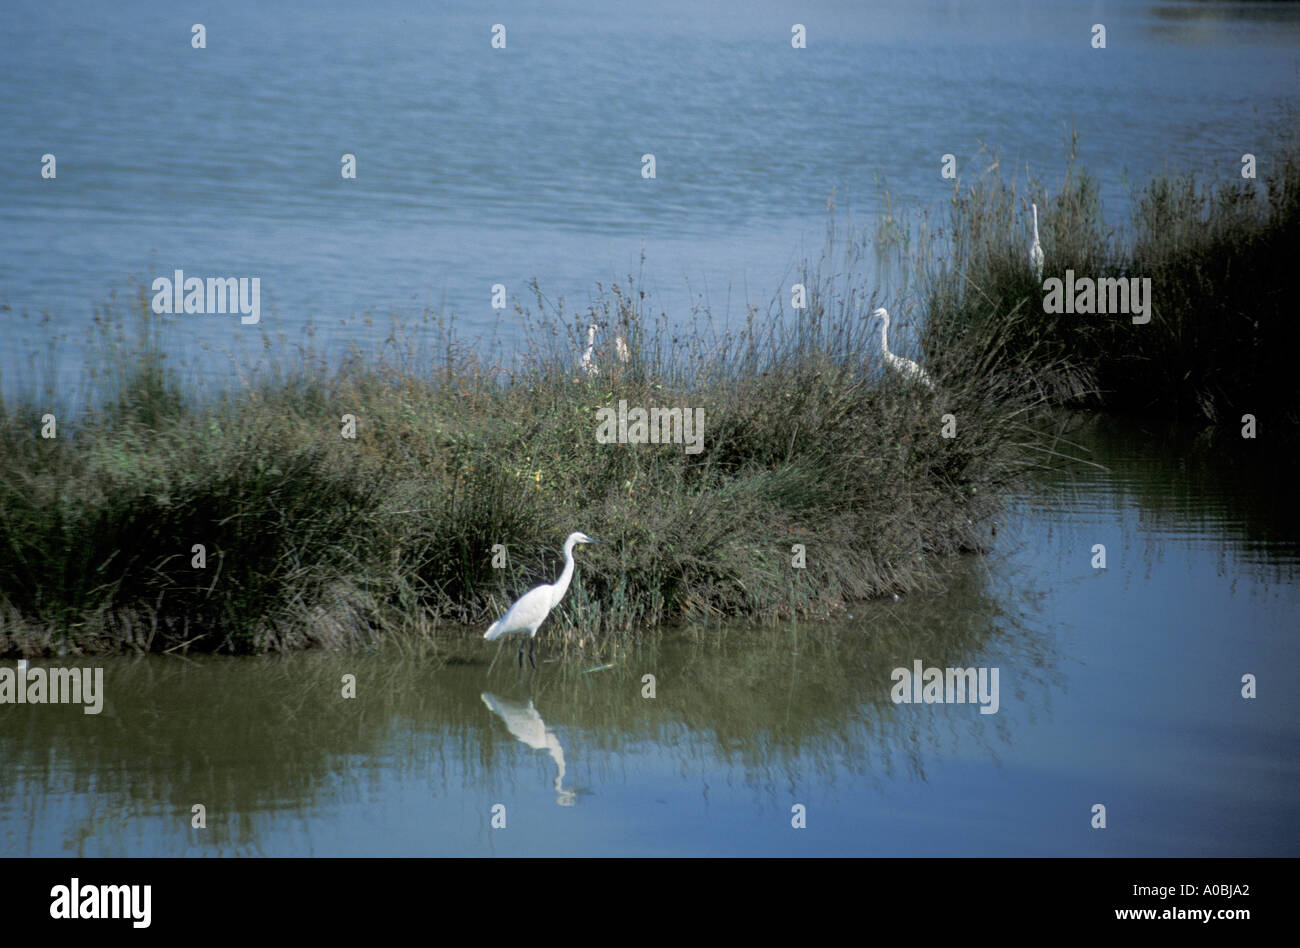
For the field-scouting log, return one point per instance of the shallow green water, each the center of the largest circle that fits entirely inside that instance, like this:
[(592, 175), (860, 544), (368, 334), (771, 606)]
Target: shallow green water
[(1119, 686)]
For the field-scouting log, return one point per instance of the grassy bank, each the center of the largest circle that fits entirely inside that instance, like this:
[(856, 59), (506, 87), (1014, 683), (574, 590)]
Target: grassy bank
[(1218, 256), (314, 538)]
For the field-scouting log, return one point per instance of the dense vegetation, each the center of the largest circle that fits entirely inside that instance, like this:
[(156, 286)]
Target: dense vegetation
[(311, 537), (1221, 332)]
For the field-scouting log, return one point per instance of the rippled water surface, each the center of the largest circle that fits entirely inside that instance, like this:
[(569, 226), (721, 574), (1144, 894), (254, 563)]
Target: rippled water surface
[(479, 166)]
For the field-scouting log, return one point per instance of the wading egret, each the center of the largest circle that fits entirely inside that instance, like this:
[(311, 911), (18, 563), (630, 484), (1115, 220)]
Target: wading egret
[(1036, 250), (905, 367), (589, 357), (532, 608)]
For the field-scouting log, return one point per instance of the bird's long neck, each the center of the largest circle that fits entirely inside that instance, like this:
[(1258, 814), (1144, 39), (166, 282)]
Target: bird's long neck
[(557, 754), (884, 338), (591, 332), (1035, 207), (562, 584)]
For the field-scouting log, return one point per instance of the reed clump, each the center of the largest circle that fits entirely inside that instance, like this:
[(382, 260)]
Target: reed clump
[(819, 480), (1221, 326)]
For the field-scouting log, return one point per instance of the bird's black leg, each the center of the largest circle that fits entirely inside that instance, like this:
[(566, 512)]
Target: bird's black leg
[(531, 660), (521, 654)]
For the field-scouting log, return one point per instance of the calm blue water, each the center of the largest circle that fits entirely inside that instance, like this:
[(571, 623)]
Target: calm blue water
[(479, 166)]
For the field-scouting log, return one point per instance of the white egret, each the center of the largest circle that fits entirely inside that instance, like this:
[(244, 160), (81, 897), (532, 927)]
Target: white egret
[(527, 726), (620, 347), (531, 609), (589, 357), (905, 367), (1036, 250)]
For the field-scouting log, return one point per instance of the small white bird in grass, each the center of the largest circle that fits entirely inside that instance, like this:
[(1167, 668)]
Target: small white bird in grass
[(589, 357), (621, 349), (905, 367), (532, 608), (1036, 250)]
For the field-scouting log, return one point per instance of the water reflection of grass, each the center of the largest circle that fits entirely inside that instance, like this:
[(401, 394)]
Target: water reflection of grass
[(314, 538), (1228, 497)]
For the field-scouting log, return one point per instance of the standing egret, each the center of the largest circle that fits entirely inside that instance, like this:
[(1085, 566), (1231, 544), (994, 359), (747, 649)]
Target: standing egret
[(905, 367), (532, 608), (589, 357), (621, 349), (1036, 250)]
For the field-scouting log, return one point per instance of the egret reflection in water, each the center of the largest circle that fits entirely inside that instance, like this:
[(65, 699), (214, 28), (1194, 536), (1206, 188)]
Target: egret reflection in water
[(527, 725)]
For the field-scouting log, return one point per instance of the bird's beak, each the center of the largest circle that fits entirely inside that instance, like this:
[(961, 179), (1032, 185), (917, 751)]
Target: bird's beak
[(594, 540)]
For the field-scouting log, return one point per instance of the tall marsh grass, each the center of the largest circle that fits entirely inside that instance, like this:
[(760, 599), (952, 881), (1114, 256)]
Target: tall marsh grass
[(315, 539), (1223, 329)]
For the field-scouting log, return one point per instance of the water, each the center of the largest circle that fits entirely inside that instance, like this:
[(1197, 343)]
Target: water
[(1120, 687), (478, 167), (481, 166)]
